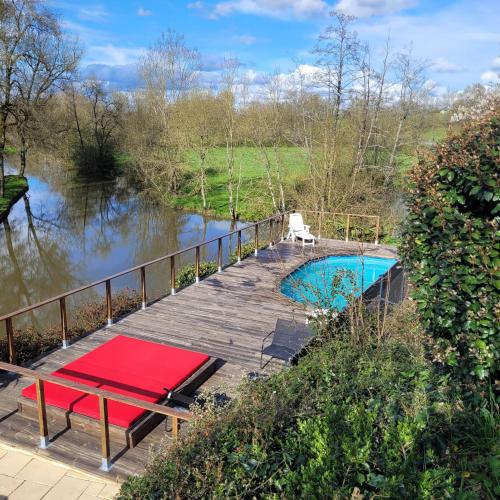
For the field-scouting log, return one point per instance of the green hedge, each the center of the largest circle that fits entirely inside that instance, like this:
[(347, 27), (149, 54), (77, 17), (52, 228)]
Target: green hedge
[(451, 247), (364, 419)]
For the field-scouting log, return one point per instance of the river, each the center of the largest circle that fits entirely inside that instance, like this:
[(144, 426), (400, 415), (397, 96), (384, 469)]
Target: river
[(68, 232)]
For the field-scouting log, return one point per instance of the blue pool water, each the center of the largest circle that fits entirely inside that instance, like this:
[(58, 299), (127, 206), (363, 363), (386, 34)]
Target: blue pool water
[(329, 282)]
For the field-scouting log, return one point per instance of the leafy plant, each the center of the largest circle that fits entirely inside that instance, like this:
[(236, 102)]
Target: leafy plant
[(451, 247), (351, 420), (187, 274)]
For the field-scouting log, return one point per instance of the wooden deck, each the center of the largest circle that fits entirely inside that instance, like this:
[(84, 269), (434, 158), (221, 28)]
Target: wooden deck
[(225, 316)]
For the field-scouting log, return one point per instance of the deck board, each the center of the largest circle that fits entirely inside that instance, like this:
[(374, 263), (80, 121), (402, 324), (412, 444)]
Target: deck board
[(225, 316)]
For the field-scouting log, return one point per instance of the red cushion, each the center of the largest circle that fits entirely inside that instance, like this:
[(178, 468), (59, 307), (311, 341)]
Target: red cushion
[(123, 365)]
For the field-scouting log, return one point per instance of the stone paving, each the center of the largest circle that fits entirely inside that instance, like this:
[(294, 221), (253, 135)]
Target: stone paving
[(26, 476)]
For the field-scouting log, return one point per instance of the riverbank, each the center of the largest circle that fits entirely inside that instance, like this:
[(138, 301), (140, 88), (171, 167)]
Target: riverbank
[(15, 187)]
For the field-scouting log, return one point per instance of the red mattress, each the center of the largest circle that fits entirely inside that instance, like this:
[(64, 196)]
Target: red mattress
[(123, 365)]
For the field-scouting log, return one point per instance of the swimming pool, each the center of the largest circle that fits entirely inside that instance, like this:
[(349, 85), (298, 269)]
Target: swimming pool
[(328, 283)]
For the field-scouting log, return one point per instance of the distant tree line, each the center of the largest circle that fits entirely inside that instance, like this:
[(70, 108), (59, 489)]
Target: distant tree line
[(350, 120)]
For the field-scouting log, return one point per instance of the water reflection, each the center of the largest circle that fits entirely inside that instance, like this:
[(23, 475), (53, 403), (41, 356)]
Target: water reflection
[(67, 232)]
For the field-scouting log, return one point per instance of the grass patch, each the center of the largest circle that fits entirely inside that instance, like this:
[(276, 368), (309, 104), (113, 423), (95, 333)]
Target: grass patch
[(15, 185), (253, 180), (367, 419)]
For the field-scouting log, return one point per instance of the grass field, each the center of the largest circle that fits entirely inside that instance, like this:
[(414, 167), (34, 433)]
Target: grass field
[(253, 200), (14, 186)]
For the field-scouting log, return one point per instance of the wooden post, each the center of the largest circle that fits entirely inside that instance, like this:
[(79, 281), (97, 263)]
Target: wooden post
[(11, 349), (271, 233), (42, 414), (377, 230), (104, 425), (219, 255), (197, 264), (64, 322), (109, 305), (175, 428), (282, 227), (256, 239), (319, 224), (347, 227), (143, 288), (238, 250), (172, 275)]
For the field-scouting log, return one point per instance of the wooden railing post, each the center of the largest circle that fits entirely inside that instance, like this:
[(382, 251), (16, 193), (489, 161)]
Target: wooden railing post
[(104, 425), (219, 255), (319, 224), (144, 298), (377, 230), (347, 227), (11, 349), (172, 275), (282, 227), (42, 414), (109, 303), (197, 264), (256, 239), (271, 233), (64, 322), (238, 250)]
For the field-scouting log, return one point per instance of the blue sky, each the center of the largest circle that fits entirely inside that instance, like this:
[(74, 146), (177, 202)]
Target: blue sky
[(460, 40)]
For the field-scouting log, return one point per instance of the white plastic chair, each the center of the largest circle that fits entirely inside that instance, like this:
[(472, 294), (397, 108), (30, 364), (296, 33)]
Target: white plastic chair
[(297, 229)]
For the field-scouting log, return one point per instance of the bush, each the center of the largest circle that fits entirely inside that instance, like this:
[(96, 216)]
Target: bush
[(187, 274), (451, 247), (30, 343), (247, 249), (351, 420)]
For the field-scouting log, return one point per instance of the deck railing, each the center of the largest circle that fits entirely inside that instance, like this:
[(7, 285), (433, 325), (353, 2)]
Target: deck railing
[(103, 396), (274, 223), (348, 226)]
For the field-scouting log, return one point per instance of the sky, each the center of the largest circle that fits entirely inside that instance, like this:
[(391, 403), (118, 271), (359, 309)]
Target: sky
[(458, 40)]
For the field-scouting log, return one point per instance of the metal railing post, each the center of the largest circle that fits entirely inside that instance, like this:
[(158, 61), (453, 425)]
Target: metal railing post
[(104, 425), (256, 239), (11, 349), (64, 322), (172, 275), (42, 414), (238, 249), (109, 304), (219, 255), (144, 298), (197, 264)]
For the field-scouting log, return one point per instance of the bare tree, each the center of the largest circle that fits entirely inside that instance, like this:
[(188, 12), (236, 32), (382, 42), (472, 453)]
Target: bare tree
[(35, 57)]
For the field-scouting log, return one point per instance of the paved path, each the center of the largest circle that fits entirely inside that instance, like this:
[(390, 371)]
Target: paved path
[(26, 476)]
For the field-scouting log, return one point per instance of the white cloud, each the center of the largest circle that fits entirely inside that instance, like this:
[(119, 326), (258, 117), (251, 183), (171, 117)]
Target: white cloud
[(283, 9), (112, 55), (244, 39), (490, 77), (495, 64), (142, 12), (93, 13), (442, 65), (195, 5), (368, 8)]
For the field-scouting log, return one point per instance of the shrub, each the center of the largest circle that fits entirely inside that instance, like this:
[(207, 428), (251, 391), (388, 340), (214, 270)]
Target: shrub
[(247, 249), (451, 247), (351, 420), (187, 274)]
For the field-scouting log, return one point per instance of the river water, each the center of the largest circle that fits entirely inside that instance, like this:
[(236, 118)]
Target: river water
[(68, 232)]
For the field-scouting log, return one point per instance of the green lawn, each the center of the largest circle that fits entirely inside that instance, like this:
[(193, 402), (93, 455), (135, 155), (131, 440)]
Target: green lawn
[(14, 186), (253, 179)]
